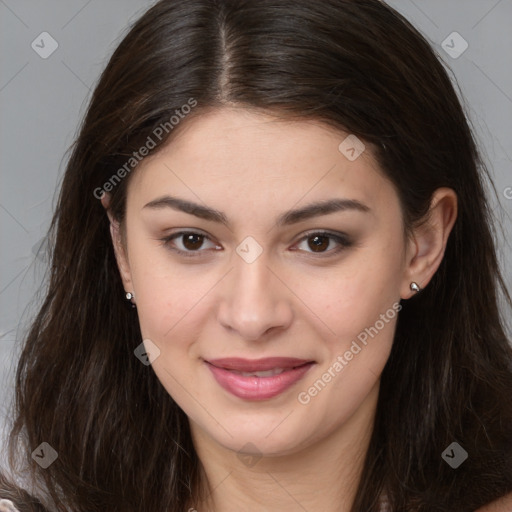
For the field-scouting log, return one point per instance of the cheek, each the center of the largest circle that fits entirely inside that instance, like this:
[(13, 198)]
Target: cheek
[(353, 363), (360, 290), (168, 295), (361, 307)]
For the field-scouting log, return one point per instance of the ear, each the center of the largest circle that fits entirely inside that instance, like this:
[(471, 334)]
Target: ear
[(427, 246), (119, 246)]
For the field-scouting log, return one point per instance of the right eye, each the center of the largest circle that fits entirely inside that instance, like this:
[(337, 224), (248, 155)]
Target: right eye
[(187, 243)]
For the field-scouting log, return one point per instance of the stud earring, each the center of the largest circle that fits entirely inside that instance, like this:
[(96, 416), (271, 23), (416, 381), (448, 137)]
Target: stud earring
[(129, 296), (415, 287)]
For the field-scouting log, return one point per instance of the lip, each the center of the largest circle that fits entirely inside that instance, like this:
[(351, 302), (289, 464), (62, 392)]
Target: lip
[(257, 365), (253, 387)]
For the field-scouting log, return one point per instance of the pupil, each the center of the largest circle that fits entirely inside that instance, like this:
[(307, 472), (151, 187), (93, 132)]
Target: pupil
[(317, 245), (192, 241)]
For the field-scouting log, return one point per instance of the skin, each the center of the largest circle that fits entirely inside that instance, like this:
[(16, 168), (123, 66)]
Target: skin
[(502, 505), (291, 301)]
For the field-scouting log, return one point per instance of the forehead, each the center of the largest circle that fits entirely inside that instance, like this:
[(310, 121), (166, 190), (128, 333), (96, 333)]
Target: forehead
[(254, 138), (255, 156)]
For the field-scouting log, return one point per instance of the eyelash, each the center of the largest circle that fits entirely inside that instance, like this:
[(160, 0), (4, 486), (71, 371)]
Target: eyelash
[(341, 239)]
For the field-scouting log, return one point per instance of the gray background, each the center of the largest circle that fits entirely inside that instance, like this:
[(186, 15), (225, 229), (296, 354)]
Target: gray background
[(43, 100)]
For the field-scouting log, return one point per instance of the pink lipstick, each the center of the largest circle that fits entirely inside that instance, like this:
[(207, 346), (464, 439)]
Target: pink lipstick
[(259, 379)]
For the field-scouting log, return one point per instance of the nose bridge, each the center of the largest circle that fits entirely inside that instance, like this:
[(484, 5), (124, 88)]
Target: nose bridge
[(252, 282), (253, 300)]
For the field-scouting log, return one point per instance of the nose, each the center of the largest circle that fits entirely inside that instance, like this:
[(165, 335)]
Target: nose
[(254, 301)]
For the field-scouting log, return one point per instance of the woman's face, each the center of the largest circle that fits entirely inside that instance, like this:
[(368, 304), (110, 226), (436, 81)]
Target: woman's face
[(265, 274)]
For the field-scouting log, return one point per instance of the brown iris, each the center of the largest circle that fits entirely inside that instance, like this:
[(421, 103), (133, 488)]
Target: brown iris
[(192, 241), (318, 243)]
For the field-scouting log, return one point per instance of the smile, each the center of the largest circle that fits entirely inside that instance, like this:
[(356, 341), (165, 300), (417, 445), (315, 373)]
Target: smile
[(258, 380)]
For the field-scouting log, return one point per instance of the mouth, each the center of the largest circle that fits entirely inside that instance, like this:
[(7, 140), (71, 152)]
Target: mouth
[(260, 379)]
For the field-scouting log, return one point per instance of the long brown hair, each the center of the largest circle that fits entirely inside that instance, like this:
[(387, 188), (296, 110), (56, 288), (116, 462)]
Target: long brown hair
[(122, 442)]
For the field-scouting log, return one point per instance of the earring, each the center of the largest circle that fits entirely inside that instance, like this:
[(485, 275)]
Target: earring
[(129, 296), (415, 287)]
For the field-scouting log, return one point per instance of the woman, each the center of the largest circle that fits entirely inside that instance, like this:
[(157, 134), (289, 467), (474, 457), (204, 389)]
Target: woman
[(274, 283)]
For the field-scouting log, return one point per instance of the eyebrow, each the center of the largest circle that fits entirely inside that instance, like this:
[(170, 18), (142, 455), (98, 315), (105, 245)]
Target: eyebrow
[(285, 219)]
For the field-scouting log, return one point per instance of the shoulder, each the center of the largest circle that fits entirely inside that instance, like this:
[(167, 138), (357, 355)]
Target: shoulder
[(7, 506), (502, 505)]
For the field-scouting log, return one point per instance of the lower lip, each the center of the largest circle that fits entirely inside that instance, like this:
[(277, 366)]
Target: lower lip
[(258, 388)]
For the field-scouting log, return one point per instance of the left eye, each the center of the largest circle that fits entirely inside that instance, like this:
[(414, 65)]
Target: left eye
[(191, 243), (321, 241)]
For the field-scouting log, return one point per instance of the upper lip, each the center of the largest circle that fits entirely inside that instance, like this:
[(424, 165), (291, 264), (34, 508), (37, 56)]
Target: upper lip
[(257, 365)]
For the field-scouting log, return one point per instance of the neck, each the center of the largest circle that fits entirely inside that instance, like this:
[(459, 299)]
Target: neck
[(323, 475)]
